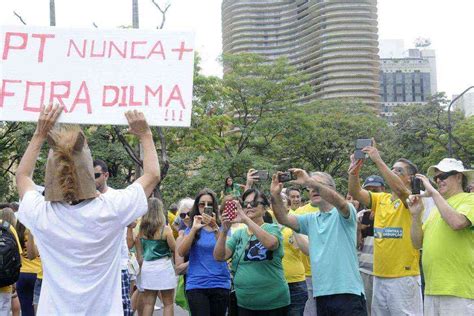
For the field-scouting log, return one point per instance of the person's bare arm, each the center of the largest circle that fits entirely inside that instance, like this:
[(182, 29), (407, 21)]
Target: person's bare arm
[(415, 205), (24, 174), (130, 237), (455, 220), (139, 249), (170, 239), (180, 265), (221, 251), (188, 239), (278, 206), (151, 167), (393, 181), (355, 190), (303, 242)]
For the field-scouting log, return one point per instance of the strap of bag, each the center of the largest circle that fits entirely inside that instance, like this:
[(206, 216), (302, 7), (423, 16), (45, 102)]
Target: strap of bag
[(240, 258)]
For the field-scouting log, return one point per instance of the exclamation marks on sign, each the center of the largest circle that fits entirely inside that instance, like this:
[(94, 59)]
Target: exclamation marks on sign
[(173, 115)]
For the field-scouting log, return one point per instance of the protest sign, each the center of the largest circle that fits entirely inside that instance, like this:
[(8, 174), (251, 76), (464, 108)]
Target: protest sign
[(96, 74)]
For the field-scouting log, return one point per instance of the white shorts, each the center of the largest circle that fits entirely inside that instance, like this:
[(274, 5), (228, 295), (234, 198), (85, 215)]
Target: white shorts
[(441, 305), (5, 303), (397, 296)]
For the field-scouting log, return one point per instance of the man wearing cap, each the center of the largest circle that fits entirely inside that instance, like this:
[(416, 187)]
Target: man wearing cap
[(447, 238), (397, 282), (365, 231)]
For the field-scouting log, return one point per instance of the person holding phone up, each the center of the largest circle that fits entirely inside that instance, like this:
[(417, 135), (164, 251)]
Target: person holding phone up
[(256, 253), (207, 280), (397, 281)]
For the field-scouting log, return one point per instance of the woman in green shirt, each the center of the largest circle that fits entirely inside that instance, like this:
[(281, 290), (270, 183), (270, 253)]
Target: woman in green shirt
[(256, 252), (155, 244)]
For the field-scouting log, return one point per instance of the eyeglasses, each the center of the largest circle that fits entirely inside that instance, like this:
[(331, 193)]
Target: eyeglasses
[(183, 215), (98, 174), (444, 175), (253, 203)]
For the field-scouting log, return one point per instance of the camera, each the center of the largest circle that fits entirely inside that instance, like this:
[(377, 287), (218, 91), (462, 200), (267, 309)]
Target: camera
[(208, 210), (262, 174), (360, 144), (416, 185), (286, 176)]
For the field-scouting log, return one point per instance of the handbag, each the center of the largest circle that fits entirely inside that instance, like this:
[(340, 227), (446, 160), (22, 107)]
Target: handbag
[(132, 264)]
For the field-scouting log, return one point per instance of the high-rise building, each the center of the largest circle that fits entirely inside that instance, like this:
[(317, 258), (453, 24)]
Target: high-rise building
[(465, 104), (406, 76), (333, 42)]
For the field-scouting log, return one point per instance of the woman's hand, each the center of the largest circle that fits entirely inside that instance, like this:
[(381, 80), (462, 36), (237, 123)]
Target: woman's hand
[(251, 177), (210, 221), (197, 223)]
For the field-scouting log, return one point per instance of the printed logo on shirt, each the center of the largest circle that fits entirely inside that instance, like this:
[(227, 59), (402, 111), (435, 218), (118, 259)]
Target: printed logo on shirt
[(388, 232), (257, 252)]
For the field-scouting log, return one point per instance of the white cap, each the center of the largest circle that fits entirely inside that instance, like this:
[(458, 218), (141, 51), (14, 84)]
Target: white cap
[(451, 164)]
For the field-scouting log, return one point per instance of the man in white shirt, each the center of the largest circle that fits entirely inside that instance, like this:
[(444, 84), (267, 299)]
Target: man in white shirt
[(78, 232), (101, 174)]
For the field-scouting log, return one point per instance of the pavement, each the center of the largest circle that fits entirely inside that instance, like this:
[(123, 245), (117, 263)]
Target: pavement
[(178, 311)]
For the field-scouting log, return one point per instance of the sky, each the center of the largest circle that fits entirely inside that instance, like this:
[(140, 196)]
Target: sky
[(449, 25)]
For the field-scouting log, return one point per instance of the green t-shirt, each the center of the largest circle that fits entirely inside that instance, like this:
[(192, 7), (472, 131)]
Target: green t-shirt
[(448, 255), (259, 281)]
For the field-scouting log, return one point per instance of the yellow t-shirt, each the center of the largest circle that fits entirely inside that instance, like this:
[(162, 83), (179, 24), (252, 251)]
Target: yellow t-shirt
[(8, 288), (293, 258), (448, 255), (308, 208), (171, 218), (394, 254)]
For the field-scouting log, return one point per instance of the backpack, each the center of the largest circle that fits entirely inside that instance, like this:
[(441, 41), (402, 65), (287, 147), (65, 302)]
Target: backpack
[(10, 260)]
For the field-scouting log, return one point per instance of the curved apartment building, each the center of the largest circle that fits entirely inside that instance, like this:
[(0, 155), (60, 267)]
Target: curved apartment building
[(334, 42)]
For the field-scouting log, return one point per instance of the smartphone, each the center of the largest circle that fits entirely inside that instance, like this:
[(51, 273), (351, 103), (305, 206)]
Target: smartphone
[(209, 210), (416, 185), (262, 175), (286, 176), (230, 209), (360, 144)]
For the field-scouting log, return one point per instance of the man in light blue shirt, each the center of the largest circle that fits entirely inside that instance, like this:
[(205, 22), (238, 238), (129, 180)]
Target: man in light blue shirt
[(337, 282)]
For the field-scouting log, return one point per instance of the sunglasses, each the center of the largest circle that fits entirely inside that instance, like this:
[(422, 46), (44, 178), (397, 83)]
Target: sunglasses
[(183, 215), (202, 204), (444, 175), (253, 203), (97, 174)]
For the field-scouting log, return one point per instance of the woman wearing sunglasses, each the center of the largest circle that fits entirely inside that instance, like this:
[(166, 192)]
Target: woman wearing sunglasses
[(207, 280), (256, 253)]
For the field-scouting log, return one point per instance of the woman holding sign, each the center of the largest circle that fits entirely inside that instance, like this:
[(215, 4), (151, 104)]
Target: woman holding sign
[(256, 253)]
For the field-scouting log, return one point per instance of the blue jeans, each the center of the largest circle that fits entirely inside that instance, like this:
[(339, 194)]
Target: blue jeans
[(299, 296), (25, 287)]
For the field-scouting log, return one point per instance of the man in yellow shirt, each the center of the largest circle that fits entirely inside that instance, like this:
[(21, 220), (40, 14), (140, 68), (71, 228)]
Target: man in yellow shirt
[(447, 238), (397, 282), (311, 207), (6, 291)]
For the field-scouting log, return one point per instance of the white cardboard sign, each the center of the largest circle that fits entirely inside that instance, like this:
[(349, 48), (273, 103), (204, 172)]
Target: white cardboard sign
[(96, 74)]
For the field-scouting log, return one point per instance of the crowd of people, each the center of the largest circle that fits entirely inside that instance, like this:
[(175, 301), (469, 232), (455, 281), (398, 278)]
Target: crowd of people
[(295, 247)]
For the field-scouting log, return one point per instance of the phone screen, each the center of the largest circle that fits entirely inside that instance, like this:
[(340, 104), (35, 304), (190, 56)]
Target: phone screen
[(208, 210)]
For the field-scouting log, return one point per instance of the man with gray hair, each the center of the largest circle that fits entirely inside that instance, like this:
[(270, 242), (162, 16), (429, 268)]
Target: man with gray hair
[(447, 238), (338, 287)]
